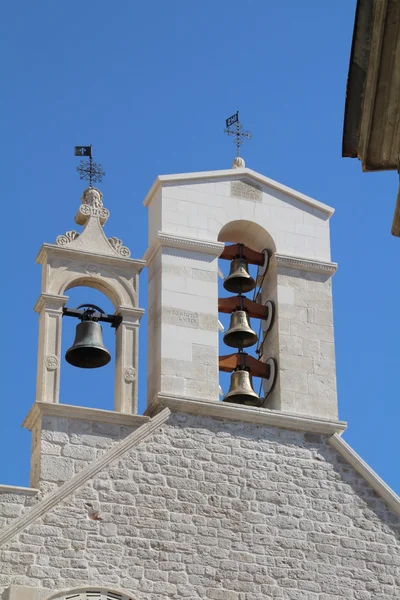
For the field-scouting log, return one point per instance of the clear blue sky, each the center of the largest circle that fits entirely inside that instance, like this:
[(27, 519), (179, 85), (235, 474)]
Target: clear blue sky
[(149, 84)]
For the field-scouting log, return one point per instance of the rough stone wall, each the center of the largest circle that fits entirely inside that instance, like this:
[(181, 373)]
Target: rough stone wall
[(217, 510), (13, 504), (62, 447)]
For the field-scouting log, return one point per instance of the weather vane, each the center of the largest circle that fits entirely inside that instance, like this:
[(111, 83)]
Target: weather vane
[(235, 127), (90, 171)]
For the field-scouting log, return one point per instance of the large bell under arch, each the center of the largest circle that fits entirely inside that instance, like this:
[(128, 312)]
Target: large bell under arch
[(103, 268), (77, 384)]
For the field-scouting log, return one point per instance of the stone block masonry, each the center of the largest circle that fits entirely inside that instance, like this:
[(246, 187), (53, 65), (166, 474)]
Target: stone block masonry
[(212, 509), (61, 447)]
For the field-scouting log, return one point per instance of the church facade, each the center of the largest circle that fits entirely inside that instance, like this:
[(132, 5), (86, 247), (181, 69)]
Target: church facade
[(253, 497)]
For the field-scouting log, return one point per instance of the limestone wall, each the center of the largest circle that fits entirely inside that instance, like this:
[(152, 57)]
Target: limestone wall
[(61, 447), (14, 502), (217, 510)]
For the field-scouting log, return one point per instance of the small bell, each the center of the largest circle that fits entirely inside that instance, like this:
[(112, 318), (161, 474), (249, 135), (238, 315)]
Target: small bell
[(240, 334), (239, 280), (241, 389), (88, 350)]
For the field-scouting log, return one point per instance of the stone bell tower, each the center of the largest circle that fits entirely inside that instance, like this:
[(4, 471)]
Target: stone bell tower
[(192, 219), (86, 259), (93, 260)]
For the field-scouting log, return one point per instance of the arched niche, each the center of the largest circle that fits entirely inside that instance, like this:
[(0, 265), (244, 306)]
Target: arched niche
[(257, 238), (119, 288), (91, 593), (249, 233)]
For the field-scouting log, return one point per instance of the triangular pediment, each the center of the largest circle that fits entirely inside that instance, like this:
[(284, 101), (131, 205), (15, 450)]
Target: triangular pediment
[(245, 176)]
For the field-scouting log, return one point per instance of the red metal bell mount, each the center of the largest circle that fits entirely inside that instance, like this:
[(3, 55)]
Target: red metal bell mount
[(252, 256), (230, 362), (254, 309)]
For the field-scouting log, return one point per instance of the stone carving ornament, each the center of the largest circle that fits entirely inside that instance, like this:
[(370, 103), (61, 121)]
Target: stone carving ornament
[(92, 197), (130, 374), (116, 243), (51, 362), (92, 206), (68, 237), (93, 270)]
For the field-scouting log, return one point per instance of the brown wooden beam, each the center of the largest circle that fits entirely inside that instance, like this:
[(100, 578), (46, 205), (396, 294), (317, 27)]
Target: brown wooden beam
[(230, 362), (254, 309), (252, 256)]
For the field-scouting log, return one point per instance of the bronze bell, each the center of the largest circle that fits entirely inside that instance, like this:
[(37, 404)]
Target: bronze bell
[(240, 333), (241, 389), (88, 350), (239, 280)]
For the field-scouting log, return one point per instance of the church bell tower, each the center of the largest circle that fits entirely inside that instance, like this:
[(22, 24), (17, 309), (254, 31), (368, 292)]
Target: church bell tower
[(197, 222)]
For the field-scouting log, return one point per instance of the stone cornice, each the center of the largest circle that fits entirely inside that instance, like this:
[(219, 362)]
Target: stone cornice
[(170, 240), (79, 479), (232, 175), (247, 414), (56, 302), (17, 489), (305, 264), (131, 315), (377, 484), (92, 257), (67, 411)]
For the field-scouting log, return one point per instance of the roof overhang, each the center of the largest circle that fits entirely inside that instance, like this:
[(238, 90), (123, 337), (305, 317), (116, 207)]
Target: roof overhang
[(372, 113)]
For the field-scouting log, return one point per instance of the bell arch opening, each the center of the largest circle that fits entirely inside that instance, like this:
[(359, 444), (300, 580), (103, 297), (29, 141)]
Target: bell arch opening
[(95, 284), (249, 233), (89, 387), (237, 326)]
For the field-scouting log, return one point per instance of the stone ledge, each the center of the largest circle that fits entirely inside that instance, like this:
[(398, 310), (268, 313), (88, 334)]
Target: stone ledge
[(67, 411), (377, 484), (17, 489), (170, 240), (305, 264), (248, 414)]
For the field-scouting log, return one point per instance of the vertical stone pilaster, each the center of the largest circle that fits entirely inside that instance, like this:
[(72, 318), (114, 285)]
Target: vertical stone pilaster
[(183, 319), (303, 340), (126, 361), (49, 308)]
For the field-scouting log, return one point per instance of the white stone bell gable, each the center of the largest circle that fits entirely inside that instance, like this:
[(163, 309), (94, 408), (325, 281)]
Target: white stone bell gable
[(89, 259), (191, 217), (93, 216)]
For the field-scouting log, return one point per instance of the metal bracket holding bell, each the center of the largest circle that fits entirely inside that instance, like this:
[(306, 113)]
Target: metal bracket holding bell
[(254, 309), (242, 360), (240, 251), (96, 314)]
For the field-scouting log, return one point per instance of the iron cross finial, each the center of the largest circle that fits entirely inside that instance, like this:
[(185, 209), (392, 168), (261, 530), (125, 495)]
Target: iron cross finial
[(234, 127), (90, 171)]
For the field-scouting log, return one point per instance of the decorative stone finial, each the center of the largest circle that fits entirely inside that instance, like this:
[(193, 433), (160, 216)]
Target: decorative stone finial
[(92, 206), (92, 215), (238, 163)]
